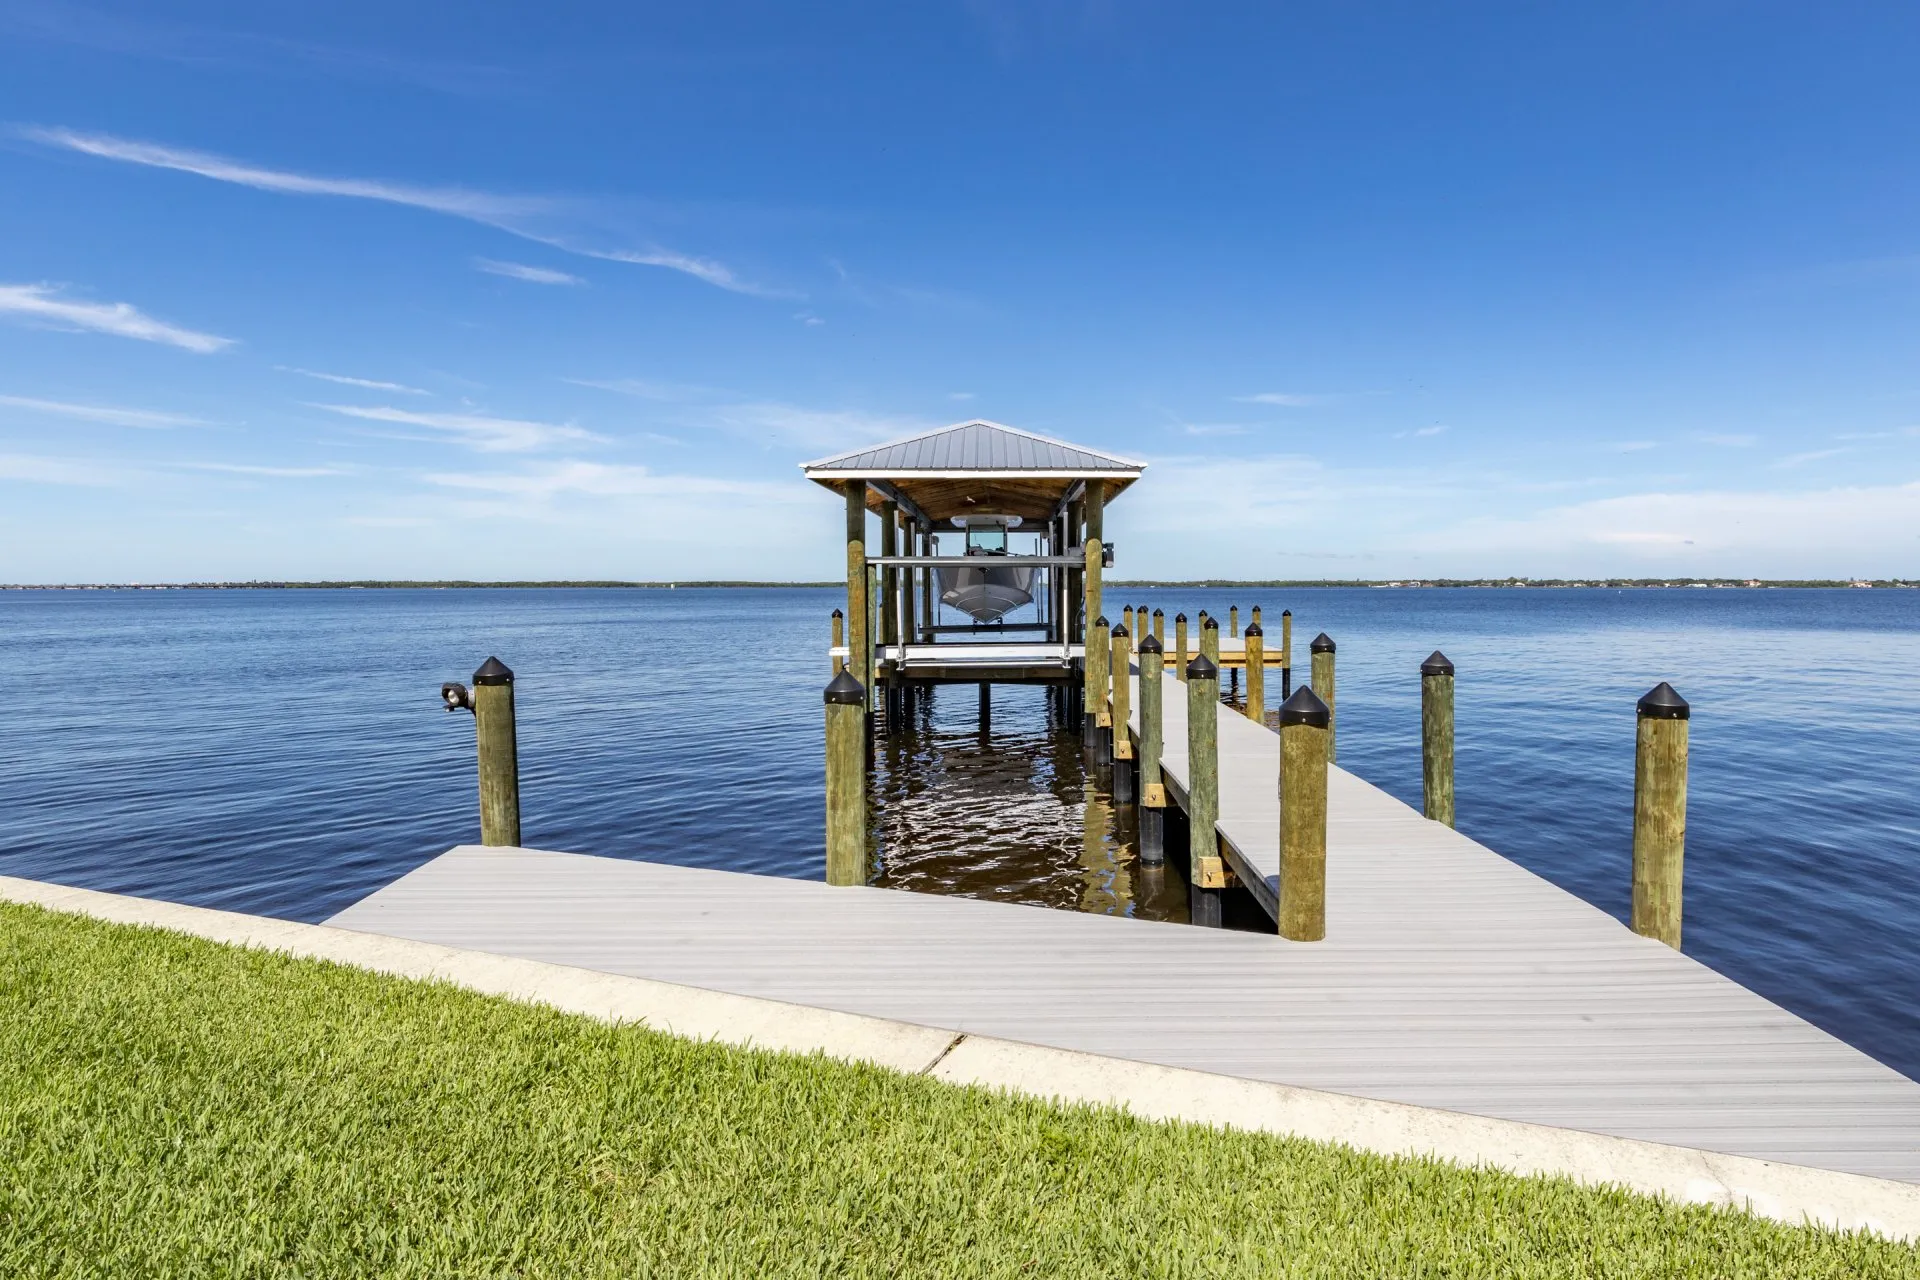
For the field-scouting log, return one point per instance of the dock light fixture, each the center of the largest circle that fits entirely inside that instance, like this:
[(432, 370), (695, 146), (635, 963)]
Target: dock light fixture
[(455, 696)]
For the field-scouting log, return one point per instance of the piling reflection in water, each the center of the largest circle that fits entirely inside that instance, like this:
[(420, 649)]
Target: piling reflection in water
[(1006, 807)]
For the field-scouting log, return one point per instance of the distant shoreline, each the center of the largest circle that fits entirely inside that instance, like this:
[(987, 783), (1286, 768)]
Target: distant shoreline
[(1197, 583)]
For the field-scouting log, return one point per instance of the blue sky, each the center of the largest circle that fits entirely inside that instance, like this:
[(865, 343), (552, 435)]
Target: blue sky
[(569, 290)]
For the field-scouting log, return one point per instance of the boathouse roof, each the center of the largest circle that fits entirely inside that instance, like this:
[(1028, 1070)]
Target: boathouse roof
[(976, 467)]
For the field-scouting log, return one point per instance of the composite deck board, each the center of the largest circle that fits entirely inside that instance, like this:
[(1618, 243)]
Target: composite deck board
[(1567, 1020)]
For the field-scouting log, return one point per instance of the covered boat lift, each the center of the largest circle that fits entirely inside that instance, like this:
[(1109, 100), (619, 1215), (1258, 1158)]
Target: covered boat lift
[(981, 484)]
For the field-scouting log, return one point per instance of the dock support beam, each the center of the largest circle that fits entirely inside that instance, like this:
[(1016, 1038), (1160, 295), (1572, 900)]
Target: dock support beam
[(1256, 641), (1160, 629), (1286, 654), (839, 638), (498, 740), (858, 640), (1659, 813), (1093, 504), (1306, 733), (1322, 649), (1096, 717), (846, 781), (1120, 671), (1206, 871), (1436, 736), (1153, 791), (1180, 654)]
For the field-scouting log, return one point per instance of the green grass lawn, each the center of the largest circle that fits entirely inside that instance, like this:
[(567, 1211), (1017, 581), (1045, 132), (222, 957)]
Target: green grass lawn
[(173, 1107)]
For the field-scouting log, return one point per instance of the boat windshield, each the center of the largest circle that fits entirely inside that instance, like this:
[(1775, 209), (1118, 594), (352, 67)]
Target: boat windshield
[(987, 539)]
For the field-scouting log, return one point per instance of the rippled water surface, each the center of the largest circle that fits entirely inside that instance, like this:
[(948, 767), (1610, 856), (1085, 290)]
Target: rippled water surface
[(283, 752)]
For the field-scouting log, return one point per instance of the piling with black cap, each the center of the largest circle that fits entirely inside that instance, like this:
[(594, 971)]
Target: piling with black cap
[(1160, 629), (1436, 736), (1153, 791), (1233, 621), (1254, 618), (1210, 638), (1120, 669), (1099, 719), (839, 638), (1659, 813), (846, 780), (1126, 618), (499, 754), (1306, 740), (1322, 651), (1206, 871), (1286, 654), (1180, 646), (1256, 649)]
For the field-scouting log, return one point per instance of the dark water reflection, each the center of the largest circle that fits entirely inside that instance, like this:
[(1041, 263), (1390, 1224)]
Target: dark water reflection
[(1004, 806)]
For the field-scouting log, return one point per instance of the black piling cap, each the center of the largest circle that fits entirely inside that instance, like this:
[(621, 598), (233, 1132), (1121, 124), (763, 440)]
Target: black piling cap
[(845, 691), (1179, 617), (1663, 702), (1149, 645), (1286, 613), (1210, 622), (1202, 668), (838, 614), (1120, 632), (1322, 643), (1305, 707), (1100, 621), (1158, 614), (493, 671), (1253, 629), (1437, 664)]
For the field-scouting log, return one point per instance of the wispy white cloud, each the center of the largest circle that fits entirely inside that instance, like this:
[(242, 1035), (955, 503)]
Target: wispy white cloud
[(546, 481), (808, 318), (64, 471), (342, 379), (711, 409), (1421, 432), (533, 218), (1801, 459), (246, 469), (1635, 446), (477, 431), (521, 271), (1285, 399), (108, 414), (41, 303), (647, 389), (960, 395)]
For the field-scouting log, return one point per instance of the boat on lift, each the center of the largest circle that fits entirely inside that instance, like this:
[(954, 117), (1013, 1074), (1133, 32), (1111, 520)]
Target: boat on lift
[(984, 591)]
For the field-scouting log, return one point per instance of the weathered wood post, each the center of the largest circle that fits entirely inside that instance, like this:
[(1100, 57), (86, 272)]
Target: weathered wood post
[(1256, 643), (1206, 872), (1306, 738), (1180, 646), (1233, 621), (1094, 553), (1099, 718), (874, 630), (1120, 670), (1210, 639), (859, 638), (1126, 618), (1077, 616), (499, 754), (1254, 620), (890, 621), (1659, 813), (846, 780), (1153, 791), (928, 614), (1322, 649), (1286, 654), (1160, 629), (1436, 736), (839, 638), (1233, 631)]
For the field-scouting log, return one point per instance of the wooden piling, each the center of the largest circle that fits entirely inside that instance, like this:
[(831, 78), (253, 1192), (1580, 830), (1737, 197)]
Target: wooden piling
[(1210, 639), (859, 638), (1126, 618), (1206, 870), (1099, 718), (1306, 739), (1286, 654), (1322, 650), (1254, 619), (1153, 790), (1233, 621), (1256, 644), (839, 639), (1180, 646), (846, 781), (1436, 736), (1093, 507), (1120, 672), (499, 754), (1160, 629), (1659, 813), (929, 616)]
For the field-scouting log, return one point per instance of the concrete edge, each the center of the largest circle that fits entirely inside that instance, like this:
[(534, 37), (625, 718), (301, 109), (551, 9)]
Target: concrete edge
[(1783, 1192)]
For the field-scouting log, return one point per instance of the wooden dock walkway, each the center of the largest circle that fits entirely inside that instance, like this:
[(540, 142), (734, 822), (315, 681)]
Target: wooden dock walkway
[(1449, 978)]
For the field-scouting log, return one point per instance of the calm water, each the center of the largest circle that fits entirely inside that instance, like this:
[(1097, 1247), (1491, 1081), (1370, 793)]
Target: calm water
[(284, 752)]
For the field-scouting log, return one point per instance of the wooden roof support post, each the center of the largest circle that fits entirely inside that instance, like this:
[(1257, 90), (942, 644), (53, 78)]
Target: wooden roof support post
[(859, 643), (889, 598), (1077, 618), (1095, 550)]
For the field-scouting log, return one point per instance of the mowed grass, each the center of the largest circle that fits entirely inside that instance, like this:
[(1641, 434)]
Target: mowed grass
[(172, 1107)]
